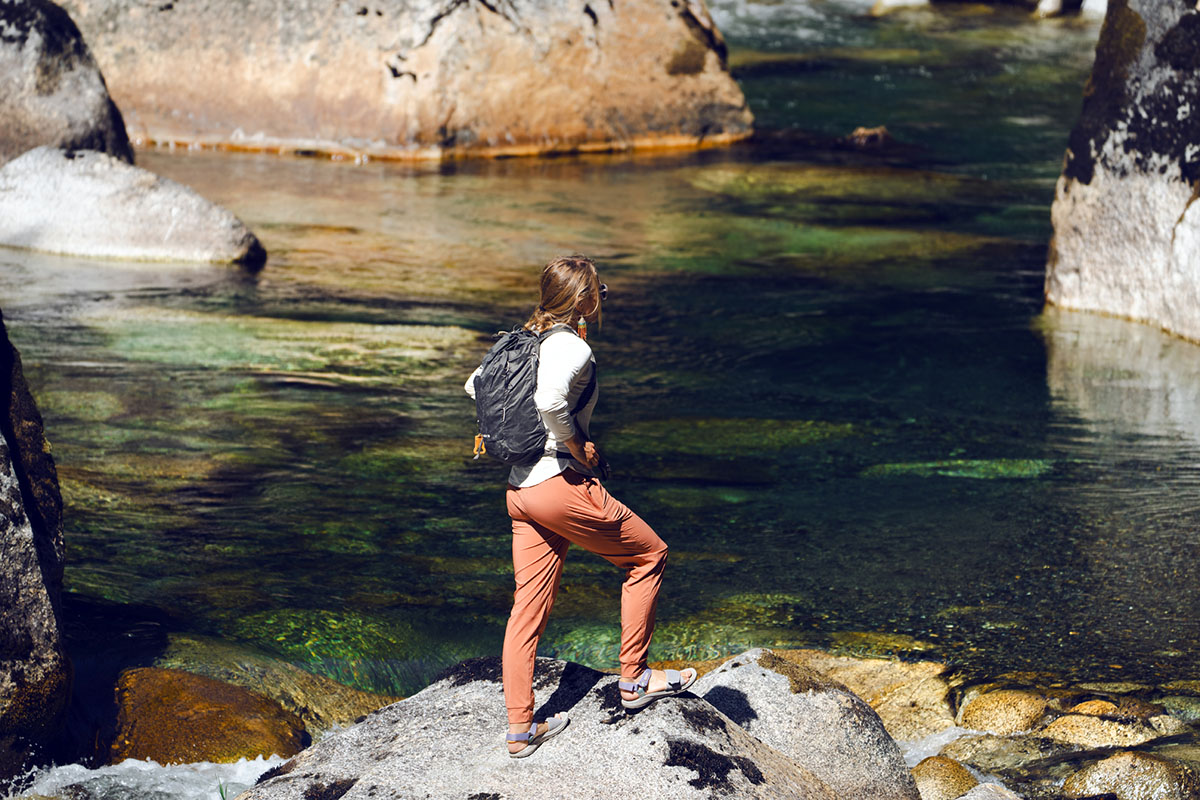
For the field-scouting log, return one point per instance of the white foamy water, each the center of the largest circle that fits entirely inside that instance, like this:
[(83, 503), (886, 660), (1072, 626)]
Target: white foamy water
[(147, 780), (918, 750)]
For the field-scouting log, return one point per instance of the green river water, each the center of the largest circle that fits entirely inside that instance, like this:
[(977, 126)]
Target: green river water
[(828, 382)]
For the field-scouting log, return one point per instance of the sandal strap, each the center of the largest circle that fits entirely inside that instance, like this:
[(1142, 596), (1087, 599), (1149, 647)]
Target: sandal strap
[(674, 680), (639, 686), (522, 737)]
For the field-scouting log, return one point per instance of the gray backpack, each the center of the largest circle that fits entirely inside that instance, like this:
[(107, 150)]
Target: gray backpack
[(510, 427)]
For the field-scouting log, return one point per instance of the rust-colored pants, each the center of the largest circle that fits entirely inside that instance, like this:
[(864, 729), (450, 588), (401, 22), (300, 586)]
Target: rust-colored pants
[(548, 517)]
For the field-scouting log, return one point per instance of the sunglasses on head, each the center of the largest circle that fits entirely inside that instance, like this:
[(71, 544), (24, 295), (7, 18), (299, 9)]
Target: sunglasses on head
[(603, 291)]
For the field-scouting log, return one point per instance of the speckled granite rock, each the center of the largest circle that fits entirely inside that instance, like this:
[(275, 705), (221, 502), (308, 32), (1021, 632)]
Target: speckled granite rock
[(910, 697), (1090, 731), (1126, 224), (990, 791), (90, 204), (817, 722), (51, 92), (942, 778), (447, 741), (1134, 776), (418, 78), (1005, 711), (35, 674)]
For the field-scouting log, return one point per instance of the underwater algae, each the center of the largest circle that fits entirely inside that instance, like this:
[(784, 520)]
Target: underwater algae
[(984, 469)]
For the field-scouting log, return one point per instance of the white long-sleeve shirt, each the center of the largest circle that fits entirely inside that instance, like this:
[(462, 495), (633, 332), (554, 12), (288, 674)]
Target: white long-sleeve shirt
[(565, 365)]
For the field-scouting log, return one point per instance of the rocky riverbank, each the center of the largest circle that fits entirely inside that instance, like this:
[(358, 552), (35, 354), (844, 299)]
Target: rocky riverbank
[(798, 723), (785, 723)]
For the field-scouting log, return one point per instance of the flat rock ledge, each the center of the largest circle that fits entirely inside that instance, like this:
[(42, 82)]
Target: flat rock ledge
[(87, 203), (418, 79), (447, 742)]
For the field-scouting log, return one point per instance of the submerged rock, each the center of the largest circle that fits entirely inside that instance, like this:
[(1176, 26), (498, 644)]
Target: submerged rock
[(1134, 776), (1091, 731), (321, 703), (990, 791), (447, 741), (35, 674), (996, 754), (175, 717), (51, 92), (1004, 712), (1094, 708), (1126, 224), (815, 721), (1041, 8), (431, 78), (941, 778), (870, 138), (90, 204)]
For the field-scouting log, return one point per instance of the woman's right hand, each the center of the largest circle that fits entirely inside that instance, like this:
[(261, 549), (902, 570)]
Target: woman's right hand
[(583, 451)]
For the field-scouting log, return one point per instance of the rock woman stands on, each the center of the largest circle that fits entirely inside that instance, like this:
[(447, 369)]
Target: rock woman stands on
[(558, 501)]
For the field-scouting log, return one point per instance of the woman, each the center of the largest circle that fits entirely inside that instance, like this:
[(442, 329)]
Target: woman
[(558, 501)]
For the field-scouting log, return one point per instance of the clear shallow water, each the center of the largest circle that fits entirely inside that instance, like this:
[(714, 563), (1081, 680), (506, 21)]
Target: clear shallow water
[(828, 384)]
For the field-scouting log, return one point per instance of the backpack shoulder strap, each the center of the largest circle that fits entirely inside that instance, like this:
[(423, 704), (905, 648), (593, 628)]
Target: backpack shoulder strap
[(588, 390), (587, 393), (555, 328)]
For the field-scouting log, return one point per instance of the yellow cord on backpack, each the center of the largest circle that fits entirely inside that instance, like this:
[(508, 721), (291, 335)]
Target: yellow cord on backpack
[(480, 449)]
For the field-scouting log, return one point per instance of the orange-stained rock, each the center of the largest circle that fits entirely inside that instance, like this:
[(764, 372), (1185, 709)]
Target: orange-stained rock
[(174, 717), (1094, 708), (418, 78), (870, 138), (1004, 712)]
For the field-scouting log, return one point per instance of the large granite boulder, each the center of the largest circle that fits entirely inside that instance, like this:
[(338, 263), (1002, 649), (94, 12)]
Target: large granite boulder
[(51, 91), (418, 78), (90, 204), (814, 720), (447, 741), (35, 675), (1126, 227)]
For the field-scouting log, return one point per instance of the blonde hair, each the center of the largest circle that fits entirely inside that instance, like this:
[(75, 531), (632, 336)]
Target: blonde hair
[(564, 281)]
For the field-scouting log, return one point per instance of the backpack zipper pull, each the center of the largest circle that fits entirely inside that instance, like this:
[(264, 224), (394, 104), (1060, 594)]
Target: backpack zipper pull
[(480, 449)]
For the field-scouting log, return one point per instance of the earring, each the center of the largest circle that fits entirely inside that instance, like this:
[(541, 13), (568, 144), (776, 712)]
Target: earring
[(581, 328)]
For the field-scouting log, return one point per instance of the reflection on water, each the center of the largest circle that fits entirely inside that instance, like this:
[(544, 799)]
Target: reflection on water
[(824, 387)]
